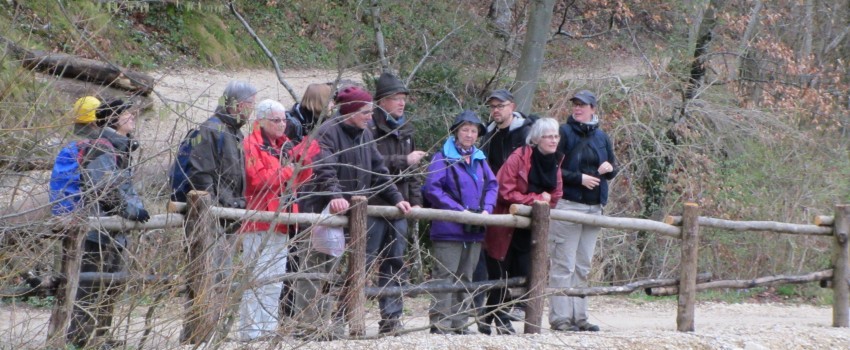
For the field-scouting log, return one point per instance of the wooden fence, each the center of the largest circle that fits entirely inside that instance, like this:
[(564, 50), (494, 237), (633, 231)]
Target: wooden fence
[(201, 317)]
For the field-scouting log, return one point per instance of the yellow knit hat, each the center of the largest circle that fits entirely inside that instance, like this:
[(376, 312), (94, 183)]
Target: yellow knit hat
[(84, 110)]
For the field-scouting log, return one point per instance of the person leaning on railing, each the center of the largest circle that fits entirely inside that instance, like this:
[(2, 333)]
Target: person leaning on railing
[(531, 173), (460, 179), (588, 166), (271, 180)]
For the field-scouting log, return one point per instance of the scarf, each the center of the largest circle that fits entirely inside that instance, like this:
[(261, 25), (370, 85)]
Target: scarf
[(543, 176)]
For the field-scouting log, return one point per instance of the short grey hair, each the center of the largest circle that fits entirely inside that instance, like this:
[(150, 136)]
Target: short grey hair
[(539, 128), (237, 91), (268, 107)]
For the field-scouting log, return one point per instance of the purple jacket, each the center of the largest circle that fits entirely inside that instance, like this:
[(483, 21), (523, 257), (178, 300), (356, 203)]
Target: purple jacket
[(453, 184)]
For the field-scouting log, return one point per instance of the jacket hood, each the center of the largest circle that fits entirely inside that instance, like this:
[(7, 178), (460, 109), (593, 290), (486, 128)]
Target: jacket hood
[(519, 121), (468, 116), (450, 150), (120, 142)]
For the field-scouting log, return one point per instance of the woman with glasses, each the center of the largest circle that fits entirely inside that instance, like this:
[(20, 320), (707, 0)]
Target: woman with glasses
[(588, 166), (531, 173), (271, 179)]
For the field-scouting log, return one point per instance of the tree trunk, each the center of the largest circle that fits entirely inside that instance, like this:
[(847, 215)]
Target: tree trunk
[(808, 28), (501, 16), (704, 33), (533, 50), (745, 40), (379, 36)]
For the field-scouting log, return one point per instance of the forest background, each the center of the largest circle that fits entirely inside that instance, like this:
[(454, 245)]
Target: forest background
[(740, 106)]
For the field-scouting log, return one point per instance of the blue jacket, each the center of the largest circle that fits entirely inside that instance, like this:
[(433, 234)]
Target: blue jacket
[(586, 161), (455, 185)]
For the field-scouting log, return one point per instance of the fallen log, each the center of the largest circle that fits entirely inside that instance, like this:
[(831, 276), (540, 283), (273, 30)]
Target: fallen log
[(70, 66)]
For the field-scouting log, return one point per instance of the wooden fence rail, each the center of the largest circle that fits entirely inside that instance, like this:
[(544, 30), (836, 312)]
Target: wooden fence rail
[(199, 217)]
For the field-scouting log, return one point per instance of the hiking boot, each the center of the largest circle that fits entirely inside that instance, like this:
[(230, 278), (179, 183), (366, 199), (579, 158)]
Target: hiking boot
[(463, 331), (504, 327), (483, 328), (437, 330), (391, 326), (565, 327), (587, 327)]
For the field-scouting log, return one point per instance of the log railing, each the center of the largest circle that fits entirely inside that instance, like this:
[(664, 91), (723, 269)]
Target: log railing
[(198, 216)]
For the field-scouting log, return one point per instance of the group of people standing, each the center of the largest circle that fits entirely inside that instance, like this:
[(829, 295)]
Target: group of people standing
[(329, 147)]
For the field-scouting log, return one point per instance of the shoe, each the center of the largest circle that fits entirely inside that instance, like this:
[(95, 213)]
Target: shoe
[(587, 327), (463, 331), (391, 326), (437, 330), (504, 327), (483, 328), (512, 316), (565, 327)]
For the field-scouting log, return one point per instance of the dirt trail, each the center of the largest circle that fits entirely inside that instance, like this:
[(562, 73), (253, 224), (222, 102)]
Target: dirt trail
[(626, 324)]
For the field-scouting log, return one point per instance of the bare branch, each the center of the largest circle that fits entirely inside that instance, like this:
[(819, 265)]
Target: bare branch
[(266, 51), (428, 52)]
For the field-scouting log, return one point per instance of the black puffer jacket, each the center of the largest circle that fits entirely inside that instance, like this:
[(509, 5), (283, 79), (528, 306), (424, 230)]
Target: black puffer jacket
[(300, 121), (348, 165), (217, 160), (395, 145)]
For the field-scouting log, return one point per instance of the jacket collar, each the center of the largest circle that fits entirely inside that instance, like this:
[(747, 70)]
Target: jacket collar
[(450, 150), (379, 119), (584, 129), (120, 142), (518, 121), (227, 119)]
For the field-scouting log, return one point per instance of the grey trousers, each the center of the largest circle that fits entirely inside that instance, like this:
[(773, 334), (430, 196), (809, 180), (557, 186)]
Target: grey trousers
[(385, 245), (455, 262), (571, 248), (313, 303)]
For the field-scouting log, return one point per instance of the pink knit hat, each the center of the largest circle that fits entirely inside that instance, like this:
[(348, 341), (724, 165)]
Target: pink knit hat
[(352, 99)]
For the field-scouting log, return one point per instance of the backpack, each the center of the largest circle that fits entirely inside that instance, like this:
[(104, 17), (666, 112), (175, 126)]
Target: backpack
[(181, 171), (65, 179)]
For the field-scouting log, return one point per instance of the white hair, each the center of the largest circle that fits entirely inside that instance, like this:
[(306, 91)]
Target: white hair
[(268, 107), (539, 128)]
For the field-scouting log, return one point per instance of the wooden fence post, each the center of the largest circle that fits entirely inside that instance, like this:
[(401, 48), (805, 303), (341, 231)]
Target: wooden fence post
[(538, 278), (841, 268), (200, 314), (355, 295), (688, 268), (66, 291)]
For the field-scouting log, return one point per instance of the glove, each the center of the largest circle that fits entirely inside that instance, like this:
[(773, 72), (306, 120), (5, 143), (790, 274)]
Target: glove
[(140, 215)]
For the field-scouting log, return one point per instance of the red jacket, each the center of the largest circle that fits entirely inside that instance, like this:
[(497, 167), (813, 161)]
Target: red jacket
[(513, 189), (266, 179)]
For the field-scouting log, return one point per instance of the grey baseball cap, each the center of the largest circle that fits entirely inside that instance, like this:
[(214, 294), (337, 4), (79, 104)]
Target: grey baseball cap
[(501, 95), (585, 97)]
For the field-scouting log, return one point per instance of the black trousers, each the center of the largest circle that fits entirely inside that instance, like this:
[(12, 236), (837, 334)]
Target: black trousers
[(516, 264), (95, 301)]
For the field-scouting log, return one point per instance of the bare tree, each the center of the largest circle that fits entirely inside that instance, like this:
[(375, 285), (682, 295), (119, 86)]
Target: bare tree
[(500, 16)]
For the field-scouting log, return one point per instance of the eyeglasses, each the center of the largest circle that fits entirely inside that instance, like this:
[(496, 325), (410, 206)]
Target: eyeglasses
[(277, 120), (551, 137), (579, 104), (498, 106)]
